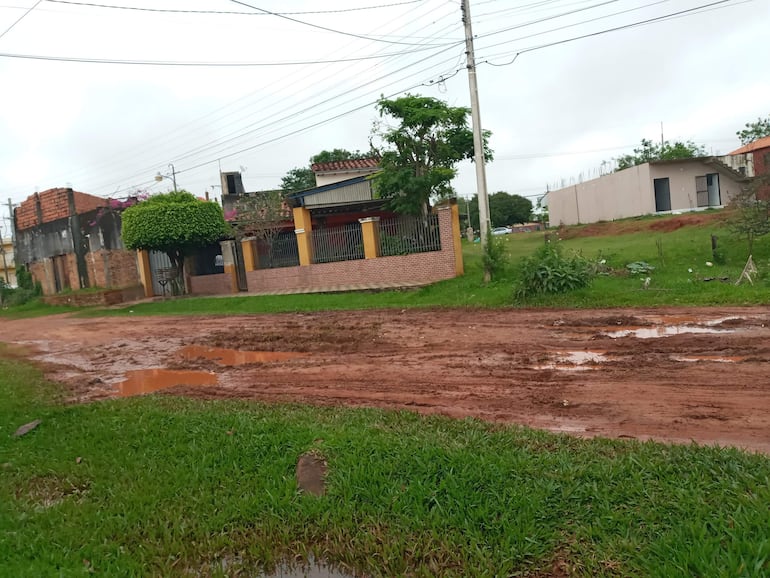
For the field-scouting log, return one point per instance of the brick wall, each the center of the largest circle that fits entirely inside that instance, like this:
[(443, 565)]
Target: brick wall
[(762, 170), (39, 273), (54, 205), (417, 268), (219, 284), (112, 269)]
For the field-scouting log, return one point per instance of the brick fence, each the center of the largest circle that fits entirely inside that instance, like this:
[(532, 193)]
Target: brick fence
[(403, 270)]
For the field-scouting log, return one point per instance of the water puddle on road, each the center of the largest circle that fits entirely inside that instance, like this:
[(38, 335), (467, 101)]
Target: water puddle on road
[(148, 380), (663, 331), (711, 358), (575, 361), (231, 357)]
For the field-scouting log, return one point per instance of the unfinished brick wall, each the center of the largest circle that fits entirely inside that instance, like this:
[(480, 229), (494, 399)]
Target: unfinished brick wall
[(112, 269), (54, 205)]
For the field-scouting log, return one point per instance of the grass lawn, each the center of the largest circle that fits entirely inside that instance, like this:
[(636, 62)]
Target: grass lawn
[(163, 486)]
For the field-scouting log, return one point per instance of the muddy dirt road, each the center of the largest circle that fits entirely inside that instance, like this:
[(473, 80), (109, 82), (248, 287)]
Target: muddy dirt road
[(667, 374)]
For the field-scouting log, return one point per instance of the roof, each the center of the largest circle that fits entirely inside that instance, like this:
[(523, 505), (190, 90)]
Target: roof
[(761, 143), (348, 165)]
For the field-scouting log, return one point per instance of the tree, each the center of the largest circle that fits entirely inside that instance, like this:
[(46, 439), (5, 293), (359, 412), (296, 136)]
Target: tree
[(754, 130), (505, 209), (420, 152), (650, 151), (176, 223), (302, 178), (261, 215)]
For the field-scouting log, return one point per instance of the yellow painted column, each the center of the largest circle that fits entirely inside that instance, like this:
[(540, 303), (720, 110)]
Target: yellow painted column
[(303, 228), (370, 230), (145, 273), (456, 239), (250, 257)]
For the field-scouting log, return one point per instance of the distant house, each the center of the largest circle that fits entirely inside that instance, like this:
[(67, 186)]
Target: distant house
[(655, 187), (7, 262), (757, 156), (71, 240)]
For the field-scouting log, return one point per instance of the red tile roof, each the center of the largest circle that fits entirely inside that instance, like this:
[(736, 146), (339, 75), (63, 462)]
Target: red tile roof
[(762, 143), (349, 165)]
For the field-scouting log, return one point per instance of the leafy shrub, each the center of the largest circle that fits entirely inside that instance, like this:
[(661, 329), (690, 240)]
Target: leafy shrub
[(494, 258), (27, 290), (550, 270)]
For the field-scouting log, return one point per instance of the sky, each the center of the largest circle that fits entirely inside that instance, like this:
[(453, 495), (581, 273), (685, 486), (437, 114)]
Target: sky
[(101, 97)]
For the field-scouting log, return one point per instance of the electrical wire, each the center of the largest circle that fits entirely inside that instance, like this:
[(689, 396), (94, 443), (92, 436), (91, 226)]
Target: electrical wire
[(7, 30)]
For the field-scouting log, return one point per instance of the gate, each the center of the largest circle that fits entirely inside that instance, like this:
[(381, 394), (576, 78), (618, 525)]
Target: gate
[(159, 262)]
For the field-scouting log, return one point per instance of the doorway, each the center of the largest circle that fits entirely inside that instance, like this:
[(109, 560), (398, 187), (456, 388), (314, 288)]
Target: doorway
[(662, 195)]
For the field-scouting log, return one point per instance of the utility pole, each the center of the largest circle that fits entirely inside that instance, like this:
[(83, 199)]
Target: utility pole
[(478, 137)]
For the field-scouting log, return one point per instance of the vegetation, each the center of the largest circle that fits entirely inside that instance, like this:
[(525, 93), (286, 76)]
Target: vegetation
[(176, 223), (553, 270), (504, 209), (751, 216), (493, 257), (420, 151), (302, 178), (26, 291), (650, 151), (261, 216), (165, 486), (754, 130)]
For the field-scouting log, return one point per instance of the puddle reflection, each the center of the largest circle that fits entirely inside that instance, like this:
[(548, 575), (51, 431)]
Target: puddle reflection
[(148, 380), (665, 331), (224, 356)]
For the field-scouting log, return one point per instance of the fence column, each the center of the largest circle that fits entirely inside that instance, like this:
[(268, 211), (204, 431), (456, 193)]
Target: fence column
[(228, 258), (370, 230), (303, 228), (145, 272), (250, 256), (456, 239)]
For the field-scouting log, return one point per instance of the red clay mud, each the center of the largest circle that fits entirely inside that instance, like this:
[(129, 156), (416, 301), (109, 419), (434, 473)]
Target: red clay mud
[(689, 374)]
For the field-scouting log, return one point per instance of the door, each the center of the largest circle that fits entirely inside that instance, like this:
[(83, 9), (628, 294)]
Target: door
[(159, 262), (712, 184), (662, 195)]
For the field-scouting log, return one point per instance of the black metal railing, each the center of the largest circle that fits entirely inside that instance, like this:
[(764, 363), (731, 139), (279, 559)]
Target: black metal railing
[(404, 235), (280, 251), (343, 243)]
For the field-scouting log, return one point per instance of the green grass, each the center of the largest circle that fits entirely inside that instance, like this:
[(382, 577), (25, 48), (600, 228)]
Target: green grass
[(162, 486), (672, 282), (34, 308)]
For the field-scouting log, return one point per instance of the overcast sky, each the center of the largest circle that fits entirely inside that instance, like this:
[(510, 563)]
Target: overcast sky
[(315, 70)]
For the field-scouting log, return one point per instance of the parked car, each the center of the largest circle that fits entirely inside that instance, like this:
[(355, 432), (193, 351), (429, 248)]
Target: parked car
[(502, 231)]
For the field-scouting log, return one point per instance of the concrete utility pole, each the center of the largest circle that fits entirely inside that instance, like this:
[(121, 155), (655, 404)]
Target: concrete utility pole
[(478, 139)]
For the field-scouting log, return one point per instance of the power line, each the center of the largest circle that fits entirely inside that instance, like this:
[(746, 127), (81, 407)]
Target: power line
[(232, 12), (7, 30), (318, 26)]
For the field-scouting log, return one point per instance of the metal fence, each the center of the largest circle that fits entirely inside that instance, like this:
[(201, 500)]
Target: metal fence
[(281, 252), (344, 243), (404, 235)]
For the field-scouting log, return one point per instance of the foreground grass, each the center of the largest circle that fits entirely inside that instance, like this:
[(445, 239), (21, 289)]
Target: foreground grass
[(164, 486)]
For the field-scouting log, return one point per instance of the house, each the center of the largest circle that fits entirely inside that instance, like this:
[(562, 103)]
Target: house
[(71, 240), (649, 188), (340, 236), (757, 158), (7, 262)]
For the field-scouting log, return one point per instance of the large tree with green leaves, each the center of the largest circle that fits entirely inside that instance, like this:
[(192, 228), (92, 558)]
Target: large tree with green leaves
[(650, 151), (176, 223), (302, 178), (504, 208), (754, 130), (423, 139)]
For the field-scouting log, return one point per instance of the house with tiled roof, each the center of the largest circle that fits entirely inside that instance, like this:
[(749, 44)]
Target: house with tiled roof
[(336, 171)]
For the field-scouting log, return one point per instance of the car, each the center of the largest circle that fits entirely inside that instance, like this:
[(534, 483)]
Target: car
[(501, 230)]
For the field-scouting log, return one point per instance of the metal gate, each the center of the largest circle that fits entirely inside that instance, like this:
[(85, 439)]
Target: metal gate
[(159, 261)]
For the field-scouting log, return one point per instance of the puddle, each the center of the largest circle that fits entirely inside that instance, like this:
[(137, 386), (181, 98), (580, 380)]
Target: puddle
[(665, 331), (712, 358), (148, 380), (575, 361), (224, 356)]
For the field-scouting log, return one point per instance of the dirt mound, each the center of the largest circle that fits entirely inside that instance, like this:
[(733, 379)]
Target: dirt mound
[(659, 224)]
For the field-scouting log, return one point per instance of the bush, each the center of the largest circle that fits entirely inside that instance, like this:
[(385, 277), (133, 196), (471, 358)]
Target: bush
[(550, 270), (24, 293), (494, 258)]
